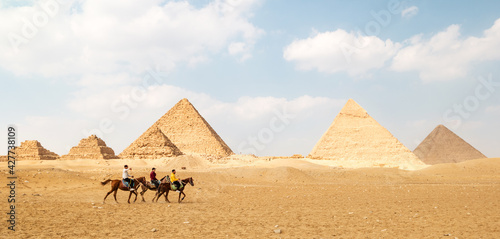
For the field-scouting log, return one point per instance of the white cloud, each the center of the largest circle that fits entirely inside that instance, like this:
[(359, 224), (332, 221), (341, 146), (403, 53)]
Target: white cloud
[(234, 121), (117, 36), (240, 48), (444, 56), (338, 51), (447, 56), (409, 12)]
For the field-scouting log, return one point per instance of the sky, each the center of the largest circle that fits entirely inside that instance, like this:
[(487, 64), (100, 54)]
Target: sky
[(268, 75)]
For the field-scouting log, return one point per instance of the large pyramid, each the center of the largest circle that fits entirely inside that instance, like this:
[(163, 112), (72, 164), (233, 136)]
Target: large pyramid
[(33, 150), (444, 146), (152, 144), (190, 132), (90, 148), (354, 135)]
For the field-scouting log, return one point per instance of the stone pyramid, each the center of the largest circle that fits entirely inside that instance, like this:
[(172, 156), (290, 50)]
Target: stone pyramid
[(152, 144), (190, 132), (91, 148), (355, 135), (444, 146), (33, 150)]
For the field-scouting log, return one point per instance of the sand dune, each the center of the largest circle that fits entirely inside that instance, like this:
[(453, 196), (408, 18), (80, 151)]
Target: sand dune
[(484, 166), (253, 197)]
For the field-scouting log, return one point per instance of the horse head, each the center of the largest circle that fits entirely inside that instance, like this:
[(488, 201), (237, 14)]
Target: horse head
[(191, 181), (141, 180)]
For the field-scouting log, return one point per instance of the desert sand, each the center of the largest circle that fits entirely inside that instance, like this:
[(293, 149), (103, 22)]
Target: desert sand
[(250, 197)]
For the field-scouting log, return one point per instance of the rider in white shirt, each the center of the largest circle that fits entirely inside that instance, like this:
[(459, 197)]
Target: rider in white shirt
[(127, 177)]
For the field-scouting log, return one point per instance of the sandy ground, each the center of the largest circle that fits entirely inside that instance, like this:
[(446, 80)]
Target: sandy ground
[(63, 199)]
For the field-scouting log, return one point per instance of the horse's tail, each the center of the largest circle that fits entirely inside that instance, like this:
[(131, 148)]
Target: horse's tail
[(106, 182)]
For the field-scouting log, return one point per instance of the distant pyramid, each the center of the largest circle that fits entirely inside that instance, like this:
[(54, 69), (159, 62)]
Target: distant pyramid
[(33, 150), (354, 135), (190, 132), (152, 144), (91, 148), (444, 146)]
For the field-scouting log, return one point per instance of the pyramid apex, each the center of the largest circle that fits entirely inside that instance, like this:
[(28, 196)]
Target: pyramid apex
[(442, 128), (353, 109)]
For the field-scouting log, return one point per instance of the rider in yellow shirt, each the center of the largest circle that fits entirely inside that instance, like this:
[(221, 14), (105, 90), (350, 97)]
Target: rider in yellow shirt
[(175, 180)]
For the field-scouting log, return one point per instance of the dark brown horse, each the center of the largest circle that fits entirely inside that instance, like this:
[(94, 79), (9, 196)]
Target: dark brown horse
[(165, 187), (145, 186), (118, 184)]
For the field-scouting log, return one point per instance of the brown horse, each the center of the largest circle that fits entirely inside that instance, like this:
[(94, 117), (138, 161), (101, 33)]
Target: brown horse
[(145, 186), (117, 184), (165, 187)]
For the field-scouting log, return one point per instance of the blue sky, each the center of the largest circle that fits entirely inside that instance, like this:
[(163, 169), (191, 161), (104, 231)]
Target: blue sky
[(72, 68)]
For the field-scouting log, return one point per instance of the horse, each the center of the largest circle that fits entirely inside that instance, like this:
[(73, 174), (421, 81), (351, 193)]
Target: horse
[(165, 187), (145, 186), (117, 184)]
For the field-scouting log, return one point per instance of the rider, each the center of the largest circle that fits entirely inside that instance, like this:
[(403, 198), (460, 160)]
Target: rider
[(127, 177), (175, 180), (154, 180)]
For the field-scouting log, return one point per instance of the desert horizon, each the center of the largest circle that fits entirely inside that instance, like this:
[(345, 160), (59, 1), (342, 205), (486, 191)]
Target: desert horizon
[(249, 119), (247, 196)]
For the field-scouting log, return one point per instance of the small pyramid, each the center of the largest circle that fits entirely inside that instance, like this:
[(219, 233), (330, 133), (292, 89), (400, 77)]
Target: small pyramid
[(355, 135), (444, 146), (33, 150), (190, 132), (91, 148), (152, 144)]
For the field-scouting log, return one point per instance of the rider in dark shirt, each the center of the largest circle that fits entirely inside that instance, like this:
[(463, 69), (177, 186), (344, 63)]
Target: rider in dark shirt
[(154, 180)]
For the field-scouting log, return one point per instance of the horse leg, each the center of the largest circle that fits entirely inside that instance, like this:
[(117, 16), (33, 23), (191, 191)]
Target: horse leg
[(142, 196), (142, 193), (135, 192), (107, 196), (166, 196), (179, 200), (154, 197), (129, 195), (110, 191), (183, 196), (114, 195), (158, 194)]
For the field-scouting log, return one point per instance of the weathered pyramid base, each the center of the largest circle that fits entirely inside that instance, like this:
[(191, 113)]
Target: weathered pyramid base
[(90, 148), (85, 153), (399, 163), (152, 144), (33, 150), (149, 153)]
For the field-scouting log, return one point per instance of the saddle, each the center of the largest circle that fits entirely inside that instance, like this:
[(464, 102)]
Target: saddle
[(172, 185), (126, 183), (166, 180), (154, 185)]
